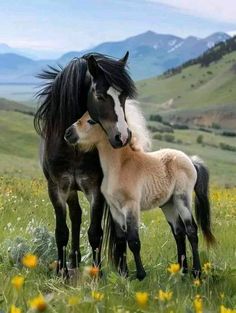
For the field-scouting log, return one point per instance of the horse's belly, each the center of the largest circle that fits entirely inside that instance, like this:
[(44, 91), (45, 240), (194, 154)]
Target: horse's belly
[(153, 199)]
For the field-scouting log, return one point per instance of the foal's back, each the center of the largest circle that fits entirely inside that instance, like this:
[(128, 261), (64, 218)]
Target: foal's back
[(157, 175)]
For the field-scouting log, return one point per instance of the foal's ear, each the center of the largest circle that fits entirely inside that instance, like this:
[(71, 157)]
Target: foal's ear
[(93, 66), (125, 58)]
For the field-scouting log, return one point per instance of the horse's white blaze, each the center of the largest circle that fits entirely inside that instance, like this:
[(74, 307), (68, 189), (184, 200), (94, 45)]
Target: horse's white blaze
[(121, 124)]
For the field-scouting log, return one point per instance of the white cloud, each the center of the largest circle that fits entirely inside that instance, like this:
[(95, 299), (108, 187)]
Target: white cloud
[(232, 32), (221, 10)]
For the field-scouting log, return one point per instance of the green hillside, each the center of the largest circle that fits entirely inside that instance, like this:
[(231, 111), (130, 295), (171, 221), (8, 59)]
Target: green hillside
[(18, 144), (198, 95), (10, 105)]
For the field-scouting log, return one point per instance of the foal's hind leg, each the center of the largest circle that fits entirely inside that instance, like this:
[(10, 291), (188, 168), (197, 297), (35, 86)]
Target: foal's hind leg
[(182, 203), (58, 199), (75, 217), (178, 230)]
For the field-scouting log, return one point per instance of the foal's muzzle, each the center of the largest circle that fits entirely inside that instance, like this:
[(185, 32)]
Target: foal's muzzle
[(71, 135)]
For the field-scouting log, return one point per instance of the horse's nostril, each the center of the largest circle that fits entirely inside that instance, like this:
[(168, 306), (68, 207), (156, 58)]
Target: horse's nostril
[(117, 138)]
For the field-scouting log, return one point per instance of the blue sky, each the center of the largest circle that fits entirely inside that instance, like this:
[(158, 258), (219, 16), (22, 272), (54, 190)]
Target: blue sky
[(62, 25)]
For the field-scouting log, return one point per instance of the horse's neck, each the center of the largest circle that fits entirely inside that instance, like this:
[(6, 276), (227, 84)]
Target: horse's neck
[(111, 159)]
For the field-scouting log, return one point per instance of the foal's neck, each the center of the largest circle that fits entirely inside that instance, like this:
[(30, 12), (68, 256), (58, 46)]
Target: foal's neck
[(111, 159)]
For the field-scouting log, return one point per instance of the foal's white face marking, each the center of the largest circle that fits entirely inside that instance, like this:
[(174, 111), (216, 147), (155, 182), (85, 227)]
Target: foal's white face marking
[(121, 124)]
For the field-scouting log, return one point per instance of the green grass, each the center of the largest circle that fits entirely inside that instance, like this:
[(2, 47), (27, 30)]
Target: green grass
[(32, 222)]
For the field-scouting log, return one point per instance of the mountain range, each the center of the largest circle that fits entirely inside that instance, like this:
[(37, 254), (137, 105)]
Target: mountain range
[(150, 55)]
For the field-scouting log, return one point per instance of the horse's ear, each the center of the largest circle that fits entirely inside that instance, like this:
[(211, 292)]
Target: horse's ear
[(125, 58), (93, 66)]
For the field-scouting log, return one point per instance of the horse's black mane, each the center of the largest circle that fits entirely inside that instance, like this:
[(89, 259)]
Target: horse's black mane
[(63, 98)]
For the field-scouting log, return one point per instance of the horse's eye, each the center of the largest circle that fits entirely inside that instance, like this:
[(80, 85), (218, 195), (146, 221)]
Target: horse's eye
[(91, 122), (100, 97)]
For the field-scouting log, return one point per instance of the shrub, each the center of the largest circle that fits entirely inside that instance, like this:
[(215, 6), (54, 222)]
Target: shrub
[(157, 136), (152, 129), (215, 125), (225, 146), (180, 126), (200, 139), (228, 133), (156, 118), (169, 138)]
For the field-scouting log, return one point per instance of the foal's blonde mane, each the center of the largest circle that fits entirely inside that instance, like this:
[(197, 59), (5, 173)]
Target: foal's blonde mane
[(141, 139)]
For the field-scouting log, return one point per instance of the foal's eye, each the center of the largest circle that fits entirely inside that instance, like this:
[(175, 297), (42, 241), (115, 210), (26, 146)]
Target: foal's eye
[(91, 122)]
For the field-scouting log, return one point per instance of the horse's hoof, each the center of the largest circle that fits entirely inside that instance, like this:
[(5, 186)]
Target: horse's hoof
[(185, 270), (196, 273), (63, 273), (141, 275)]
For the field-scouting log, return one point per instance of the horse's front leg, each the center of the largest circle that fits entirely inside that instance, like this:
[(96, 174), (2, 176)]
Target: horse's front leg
[(132, 220), (58, 199), (75, 217), (95, 232)]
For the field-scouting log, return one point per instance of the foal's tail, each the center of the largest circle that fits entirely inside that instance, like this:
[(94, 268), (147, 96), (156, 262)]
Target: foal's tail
[(202, 204)]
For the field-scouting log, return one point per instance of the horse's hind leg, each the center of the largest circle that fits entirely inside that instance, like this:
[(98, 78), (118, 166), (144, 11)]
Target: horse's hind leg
[(58, 199), (75, 217), (178, 230), (182, 203)]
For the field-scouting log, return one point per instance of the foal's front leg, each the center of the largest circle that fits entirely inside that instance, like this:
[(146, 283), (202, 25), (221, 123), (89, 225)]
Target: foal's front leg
[(132, 221)]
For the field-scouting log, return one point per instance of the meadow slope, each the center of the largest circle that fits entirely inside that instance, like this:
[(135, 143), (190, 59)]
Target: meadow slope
[(194, 92)]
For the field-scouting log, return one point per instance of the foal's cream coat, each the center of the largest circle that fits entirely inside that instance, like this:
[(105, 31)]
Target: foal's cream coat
[(137, 180)]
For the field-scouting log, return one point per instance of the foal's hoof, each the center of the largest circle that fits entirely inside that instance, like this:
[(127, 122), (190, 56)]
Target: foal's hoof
[(196, 273), (141, 275)]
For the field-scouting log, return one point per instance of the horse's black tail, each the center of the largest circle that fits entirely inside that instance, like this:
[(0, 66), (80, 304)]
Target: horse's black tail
[(202, 204), (109, 236)]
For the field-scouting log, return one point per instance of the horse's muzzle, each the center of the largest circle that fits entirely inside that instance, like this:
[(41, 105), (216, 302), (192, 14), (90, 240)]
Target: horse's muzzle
[(71, 135)]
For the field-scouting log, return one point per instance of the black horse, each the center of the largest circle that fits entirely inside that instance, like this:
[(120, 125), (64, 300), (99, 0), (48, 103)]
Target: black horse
[(98, 84)]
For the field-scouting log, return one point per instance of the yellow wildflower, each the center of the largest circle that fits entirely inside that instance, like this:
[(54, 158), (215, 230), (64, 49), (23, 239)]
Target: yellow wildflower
[(14, 309), (141, 298), (174, 268), (207, 267), (30, 260), (197, 282), (223, 309), (17, 281), (164, 295), (98, 296), (73, 300), (38, 303), (197, 302)]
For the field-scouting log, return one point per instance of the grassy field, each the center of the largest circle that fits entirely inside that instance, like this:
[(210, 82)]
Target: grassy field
[(30, 229), (27, 219)]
